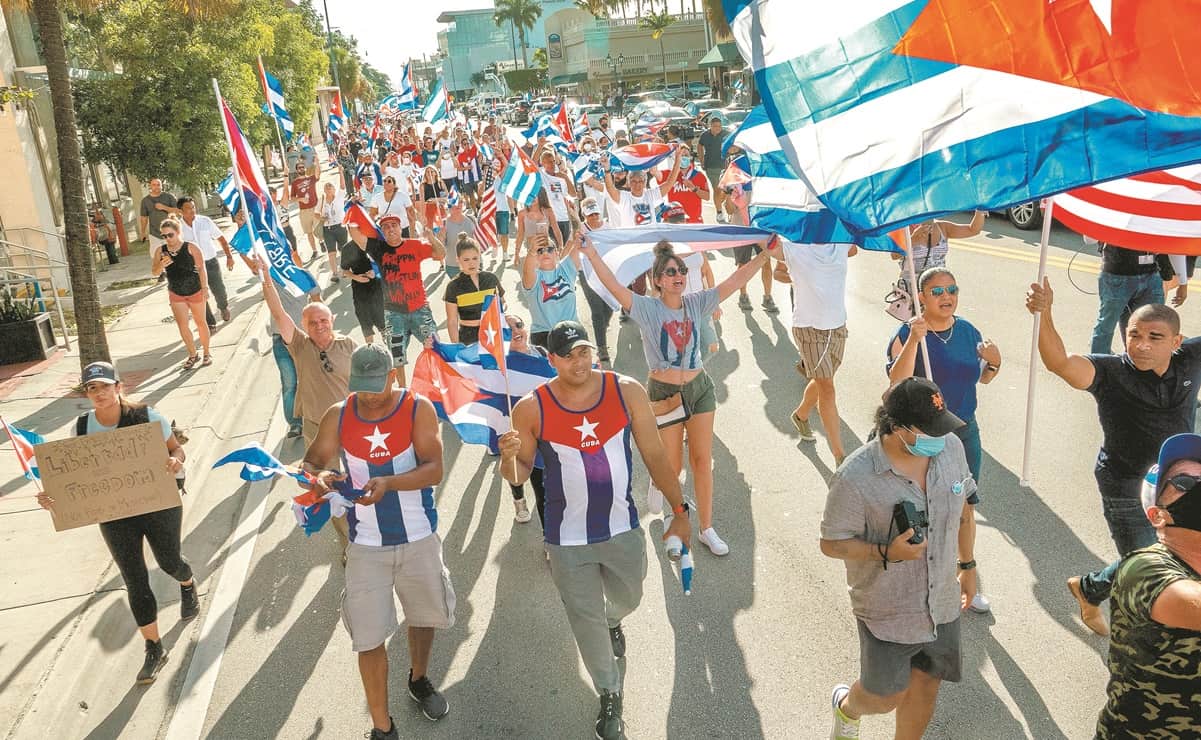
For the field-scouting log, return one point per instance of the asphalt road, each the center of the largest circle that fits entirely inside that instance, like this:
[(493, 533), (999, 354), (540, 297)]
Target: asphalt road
[(754, 651)]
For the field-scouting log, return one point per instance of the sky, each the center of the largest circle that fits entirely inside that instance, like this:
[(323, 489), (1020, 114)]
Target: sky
[(391, 32)]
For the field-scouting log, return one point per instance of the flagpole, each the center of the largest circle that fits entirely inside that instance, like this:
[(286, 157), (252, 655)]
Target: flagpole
[(279, 137), (229, 145), (1024, 480), (913, 291)]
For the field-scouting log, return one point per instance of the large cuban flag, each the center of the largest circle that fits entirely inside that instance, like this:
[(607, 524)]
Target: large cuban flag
[(878, 111)]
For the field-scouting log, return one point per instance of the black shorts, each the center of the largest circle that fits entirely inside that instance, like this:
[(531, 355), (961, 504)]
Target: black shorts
[(743, 255), (884, 666), (467, 187), (369, 307)]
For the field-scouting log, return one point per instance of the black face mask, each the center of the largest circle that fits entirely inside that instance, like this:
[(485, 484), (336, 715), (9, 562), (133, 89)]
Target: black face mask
[(1186, 510)]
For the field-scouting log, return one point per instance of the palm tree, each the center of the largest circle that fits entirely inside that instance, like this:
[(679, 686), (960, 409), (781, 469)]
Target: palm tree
[(499, 17), (93, 344), (521, 13), (657, 23)]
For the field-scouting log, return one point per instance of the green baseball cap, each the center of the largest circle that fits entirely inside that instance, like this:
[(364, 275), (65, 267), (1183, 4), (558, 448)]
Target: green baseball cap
[(369, 368)]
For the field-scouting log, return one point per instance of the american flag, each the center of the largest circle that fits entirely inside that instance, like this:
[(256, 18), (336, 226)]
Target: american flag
[(485, 226)]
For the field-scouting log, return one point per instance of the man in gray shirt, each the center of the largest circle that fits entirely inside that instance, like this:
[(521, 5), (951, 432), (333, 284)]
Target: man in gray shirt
[(156, 206), (903, 580)]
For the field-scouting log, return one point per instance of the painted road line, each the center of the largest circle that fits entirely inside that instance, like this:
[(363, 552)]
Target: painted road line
[(187, 722), (1088, 264)]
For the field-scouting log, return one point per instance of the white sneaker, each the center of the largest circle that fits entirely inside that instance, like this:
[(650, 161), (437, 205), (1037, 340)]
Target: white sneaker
[(845, 728), (521, 510), (716, 545), (980, 604), (654, 499)]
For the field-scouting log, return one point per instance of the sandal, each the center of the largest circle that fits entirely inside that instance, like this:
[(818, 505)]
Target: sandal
[(191, 362), (208, 360)]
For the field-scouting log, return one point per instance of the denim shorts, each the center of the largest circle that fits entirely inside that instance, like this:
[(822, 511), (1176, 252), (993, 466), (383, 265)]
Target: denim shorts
[(502, 222), (401, 325)]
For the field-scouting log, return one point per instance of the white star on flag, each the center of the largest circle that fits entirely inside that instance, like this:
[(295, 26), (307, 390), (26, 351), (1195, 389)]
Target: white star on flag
[(491, 334), (378, 439), (587, 429)]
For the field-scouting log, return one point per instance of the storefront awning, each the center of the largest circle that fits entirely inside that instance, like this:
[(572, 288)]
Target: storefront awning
[(574, 77), (721, 55)]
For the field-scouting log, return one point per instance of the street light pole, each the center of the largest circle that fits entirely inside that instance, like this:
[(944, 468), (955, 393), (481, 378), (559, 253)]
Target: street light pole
[(329, 35)]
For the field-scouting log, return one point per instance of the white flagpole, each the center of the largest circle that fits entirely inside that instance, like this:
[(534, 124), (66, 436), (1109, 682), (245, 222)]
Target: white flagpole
[(1024, 481), (913, 291), (279, 137), (233, 158)]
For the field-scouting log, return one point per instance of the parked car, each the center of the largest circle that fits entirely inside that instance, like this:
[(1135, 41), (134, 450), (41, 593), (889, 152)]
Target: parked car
[(632, 101), (1025, 216), (639, 111), (519, 114)]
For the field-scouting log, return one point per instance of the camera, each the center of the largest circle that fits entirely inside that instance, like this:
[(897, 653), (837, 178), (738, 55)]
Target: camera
[(906, 516)]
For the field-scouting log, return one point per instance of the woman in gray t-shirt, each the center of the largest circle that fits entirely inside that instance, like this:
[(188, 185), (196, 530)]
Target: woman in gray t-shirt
[(673, 347)]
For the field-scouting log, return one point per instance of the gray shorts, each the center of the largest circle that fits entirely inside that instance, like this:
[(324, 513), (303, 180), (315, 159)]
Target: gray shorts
[(417, 575), (884, 666)]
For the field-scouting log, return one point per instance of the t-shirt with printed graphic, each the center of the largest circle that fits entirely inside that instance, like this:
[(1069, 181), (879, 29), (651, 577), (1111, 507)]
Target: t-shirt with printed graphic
[(634, 210), (556, 193), (552, 299), (685, 193), (1154, 670), (400, 267), (669, 336)]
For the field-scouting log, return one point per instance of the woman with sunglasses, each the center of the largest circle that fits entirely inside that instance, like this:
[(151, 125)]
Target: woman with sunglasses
[(393, 200), (960, 357), (187, 288), (674, 349), (548, 277), (536, 218), (126, 538), (432, 196)]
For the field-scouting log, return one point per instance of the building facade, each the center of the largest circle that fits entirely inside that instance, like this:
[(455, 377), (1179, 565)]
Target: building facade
[(591, 56)]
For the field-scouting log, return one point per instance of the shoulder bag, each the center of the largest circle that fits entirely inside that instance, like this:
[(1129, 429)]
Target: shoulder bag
[(674, 409)]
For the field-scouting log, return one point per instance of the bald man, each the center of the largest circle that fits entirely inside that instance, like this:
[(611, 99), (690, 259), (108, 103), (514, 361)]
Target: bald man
[(322, 359)]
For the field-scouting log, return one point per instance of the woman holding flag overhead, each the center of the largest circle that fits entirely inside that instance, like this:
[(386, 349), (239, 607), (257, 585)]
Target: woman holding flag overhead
[(547, 275), (681, 392)]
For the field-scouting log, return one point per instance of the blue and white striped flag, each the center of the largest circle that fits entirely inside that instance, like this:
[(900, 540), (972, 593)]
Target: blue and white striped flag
[(521, 180), (274, 91), (406, 99), (437, 108), (780, 201), (228, 192)]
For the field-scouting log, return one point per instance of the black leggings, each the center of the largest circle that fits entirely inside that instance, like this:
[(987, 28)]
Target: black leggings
[(539, 495), (124, 539), (369, 307)]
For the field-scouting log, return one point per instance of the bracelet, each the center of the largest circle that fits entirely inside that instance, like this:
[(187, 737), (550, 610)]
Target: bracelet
[(967, 565), (994, 368)]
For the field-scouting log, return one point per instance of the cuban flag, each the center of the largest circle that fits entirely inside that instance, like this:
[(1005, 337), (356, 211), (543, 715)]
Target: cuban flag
[(337, 114), (259, 464), (406, 99), (388, 103), (452, 198), (273, 89), (492, 334), (1152, 212), (544, 126), (265, 231), (586, 166), (581, 125), (358, 216), (647, 130), (562, 123), (472, 397), (521, 180), (780, 201), (437, 108), (228, 192), (23, 442), (630, 252), (640, 156), (898, 110)]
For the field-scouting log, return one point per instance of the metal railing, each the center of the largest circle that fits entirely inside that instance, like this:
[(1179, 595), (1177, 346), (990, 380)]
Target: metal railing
[(12, 276)]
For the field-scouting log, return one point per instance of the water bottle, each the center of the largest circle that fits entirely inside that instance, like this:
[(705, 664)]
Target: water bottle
[(675, 548), (686, 571)]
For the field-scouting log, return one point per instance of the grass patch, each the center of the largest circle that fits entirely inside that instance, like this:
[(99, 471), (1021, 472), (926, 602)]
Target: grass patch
[(108, 314), (127, 284)]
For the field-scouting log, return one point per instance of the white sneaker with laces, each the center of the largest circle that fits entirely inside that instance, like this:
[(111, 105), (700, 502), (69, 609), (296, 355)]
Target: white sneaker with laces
[(521, 510), (654, 499), (980, 604), (716, 544), (845, 728)]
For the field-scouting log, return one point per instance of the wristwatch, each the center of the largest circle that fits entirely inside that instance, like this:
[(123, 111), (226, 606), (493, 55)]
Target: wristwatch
[(683, 508), (969, 565)]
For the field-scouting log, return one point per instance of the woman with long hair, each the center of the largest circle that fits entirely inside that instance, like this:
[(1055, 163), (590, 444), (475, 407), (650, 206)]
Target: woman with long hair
[(125, 537), (465, 293), (960, 358), (432, 195), (674, 349), (333, 233), (187, 287), (548, 275)]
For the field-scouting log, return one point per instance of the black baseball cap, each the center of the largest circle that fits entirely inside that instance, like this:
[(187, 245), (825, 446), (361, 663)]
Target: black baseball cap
[(918, 403), (566, 336), (103, 372)]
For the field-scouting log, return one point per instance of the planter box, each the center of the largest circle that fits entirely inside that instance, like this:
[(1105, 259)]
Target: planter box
[(26, 341)]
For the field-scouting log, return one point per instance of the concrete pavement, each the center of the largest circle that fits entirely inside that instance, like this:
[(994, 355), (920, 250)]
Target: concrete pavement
[(752, 653)]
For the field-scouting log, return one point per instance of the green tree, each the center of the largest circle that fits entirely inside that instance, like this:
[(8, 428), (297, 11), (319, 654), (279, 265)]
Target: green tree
[(523, 14), (658, 23), (540, 61), (500, 18), (380, 83)]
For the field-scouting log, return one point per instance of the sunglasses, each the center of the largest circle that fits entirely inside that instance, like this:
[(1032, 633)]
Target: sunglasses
[(325, 363), (949, 290), (546, 250), (1184, 483), (518, 324), (389, 180), (167, 234), (673, 271)]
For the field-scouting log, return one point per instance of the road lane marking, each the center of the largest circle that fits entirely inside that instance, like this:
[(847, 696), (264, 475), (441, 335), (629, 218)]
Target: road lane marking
[(1090, 264)]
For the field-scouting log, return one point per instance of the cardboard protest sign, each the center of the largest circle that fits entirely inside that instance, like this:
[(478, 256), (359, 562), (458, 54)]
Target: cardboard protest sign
[(105, 476)]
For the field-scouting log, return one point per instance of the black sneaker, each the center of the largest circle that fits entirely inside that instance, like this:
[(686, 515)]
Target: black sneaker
[(189, 602), (618, 639), (433, 705), (156, 658), (609, 725), (377, 734), (295, 431)]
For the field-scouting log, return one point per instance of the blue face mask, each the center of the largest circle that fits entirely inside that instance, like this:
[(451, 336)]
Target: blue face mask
[(925, 445), (685, 162)]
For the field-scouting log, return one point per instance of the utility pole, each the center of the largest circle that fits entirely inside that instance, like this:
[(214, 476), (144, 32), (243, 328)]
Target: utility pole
[(329, 35)]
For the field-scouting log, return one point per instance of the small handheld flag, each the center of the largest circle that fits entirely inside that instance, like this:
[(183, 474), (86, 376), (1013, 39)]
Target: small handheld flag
[(23, 442), (492, 340)]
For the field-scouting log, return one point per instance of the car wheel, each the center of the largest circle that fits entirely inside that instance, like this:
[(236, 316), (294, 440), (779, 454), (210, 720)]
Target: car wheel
[(1025, 216)]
